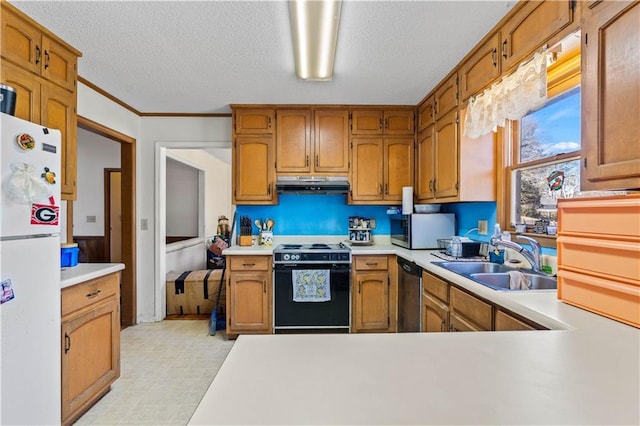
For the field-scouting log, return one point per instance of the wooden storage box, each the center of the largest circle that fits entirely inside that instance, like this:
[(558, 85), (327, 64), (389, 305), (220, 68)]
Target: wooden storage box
[(194, 292)]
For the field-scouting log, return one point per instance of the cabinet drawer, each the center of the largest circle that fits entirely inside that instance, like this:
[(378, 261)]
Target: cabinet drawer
[(89, 292), (608, 298), (364, 263), (435, 286), (604, 215), (256, 263), (506, 322), (615, 258), (471, 308)]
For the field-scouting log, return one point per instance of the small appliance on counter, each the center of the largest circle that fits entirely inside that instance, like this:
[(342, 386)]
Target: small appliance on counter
[(421, 231), (69, 255)]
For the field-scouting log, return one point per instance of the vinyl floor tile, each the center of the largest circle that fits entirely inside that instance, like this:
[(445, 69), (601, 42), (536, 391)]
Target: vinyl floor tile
[(165, 369)]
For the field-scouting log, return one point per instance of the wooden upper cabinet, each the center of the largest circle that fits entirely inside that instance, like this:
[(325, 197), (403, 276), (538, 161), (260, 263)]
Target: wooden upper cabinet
[(446, 156), (481, 68), (533, 24), (446, 96), (611, 96), (58, 63), (366, 174), (253, 169), (21, 41), (57, 111), (426, 113), (293, 141), (398, 166), (425, 162), (331, 141), (27, 89), (29, 46), (382, 122), (255, 121), (366, 122)]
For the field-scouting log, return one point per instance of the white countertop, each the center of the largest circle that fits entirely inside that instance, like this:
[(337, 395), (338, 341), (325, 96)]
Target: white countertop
[(585, 371), (87, 271)]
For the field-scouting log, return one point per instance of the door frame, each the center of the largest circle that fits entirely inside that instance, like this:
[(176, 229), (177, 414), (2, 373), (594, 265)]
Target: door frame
[(128, 285), (160, 229), (107, 210)]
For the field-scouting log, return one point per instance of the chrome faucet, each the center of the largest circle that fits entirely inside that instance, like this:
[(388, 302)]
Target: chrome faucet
[(534, 255)]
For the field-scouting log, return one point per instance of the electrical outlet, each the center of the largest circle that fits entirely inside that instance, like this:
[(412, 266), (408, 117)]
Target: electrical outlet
[(483, 227), (91, 219), (144, 224)]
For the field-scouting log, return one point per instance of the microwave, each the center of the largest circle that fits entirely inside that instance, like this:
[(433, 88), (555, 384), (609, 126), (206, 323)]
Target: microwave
[(421, 230)]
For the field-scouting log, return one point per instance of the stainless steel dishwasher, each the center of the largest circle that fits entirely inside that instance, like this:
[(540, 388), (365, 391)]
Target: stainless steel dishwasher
[(409, 296)]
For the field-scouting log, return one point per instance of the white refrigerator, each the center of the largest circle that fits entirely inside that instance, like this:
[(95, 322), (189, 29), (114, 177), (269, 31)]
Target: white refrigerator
[(29, 273)]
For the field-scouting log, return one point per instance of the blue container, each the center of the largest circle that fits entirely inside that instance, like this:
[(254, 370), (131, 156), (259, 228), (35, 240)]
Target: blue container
[(69, 255)]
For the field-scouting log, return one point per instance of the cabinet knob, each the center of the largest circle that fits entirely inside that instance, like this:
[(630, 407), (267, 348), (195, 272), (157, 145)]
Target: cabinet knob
[(38, 55), (67, 343), (46, 59), (493, 57), (504, 49), (93, 294)]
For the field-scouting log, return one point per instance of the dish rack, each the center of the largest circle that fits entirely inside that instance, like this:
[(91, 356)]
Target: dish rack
[(456, 248)]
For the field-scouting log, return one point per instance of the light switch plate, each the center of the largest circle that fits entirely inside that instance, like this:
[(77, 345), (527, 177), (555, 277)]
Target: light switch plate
[(483, 227)]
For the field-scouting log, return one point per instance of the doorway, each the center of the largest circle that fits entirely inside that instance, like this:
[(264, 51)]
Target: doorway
[(128, 311), (113, 215)]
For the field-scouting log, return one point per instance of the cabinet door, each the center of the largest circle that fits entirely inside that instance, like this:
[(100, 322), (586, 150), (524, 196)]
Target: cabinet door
[(481, 68), (27, 89), (506, 322), (57, 111), (426, 113), (58, 64), (293, 141), (446, 156), (90, 354), (398, 122), (435, 315), (398, 167), (254, 169), (248, 302), (446, 96), (611, 97), (20, 41), (371, 310), (331, 141), (531, 26), (366, 122), (425, 161), (469, 312), (367, 169), (254, 121)]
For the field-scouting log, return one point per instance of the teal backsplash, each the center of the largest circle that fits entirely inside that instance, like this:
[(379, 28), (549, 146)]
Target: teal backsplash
[(307, 214)]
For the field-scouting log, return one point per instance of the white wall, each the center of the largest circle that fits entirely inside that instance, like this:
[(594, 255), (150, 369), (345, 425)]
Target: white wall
[(95, 153), (182, 199), (148, 131)]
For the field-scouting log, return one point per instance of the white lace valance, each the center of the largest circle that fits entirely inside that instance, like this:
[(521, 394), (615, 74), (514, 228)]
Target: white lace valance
[(509, 99)]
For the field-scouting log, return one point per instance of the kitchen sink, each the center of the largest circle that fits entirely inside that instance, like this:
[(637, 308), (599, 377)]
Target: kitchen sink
[(467, 268), (500, 281), (496, 276)]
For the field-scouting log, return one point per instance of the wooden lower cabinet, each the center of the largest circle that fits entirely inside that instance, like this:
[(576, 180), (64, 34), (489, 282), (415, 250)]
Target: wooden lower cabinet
[(90, 342), (435, 314), (374, 294), (249, 295), (469, 313), (507, 322)]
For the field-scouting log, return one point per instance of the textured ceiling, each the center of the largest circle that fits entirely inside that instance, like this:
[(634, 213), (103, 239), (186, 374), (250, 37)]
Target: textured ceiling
[(199, 57)]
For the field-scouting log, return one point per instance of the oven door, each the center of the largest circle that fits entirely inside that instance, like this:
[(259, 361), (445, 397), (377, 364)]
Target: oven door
[(332, 315)]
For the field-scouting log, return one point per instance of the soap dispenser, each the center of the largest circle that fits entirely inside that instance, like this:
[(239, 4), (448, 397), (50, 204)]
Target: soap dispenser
[(496, 255)]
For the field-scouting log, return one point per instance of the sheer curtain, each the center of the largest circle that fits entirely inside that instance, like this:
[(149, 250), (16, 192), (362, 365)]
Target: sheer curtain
[(509, 99)]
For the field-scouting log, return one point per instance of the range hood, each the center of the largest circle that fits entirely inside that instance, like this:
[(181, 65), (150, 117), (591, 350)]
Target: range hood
[(312, 185)]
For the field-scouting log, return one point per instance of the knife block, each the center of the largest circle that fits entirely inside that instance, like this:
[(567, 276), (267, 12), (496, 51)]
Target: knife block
[(245, 240)]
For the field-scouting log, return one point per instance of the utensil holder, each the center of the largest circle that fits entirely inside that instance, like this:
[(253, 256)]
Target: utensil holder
[(266, 238)]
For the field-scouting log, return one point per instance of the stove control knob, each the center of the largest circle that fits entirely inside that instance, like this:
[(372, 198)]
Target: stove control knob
[(285, 256), (295, 257)]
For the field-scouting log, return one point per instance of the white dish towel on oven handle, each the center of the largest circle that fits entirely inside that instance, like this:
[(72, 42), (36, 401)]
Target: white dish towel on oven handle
[(311, 285)]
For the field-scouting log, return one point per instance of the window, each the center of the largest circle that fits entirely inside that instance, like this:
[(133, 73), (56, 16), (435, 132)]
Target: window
[(544, 160)]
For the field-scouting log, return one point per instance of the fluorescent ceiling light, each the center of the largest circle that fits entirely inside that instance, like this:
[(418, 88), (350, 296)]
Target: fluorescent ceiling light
[(314, 27)]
